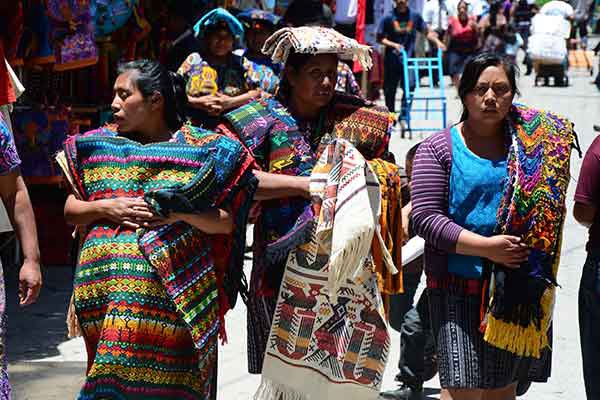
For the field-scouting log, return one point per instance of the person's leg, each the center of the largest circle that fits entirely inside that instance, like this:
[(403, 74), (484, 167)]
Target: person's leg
[(413, 337), (461, 394), (391, 78), (506, 393), (406, 102), (432, 53), (400, 304), (404, 318), (583, 35), (589, 325)]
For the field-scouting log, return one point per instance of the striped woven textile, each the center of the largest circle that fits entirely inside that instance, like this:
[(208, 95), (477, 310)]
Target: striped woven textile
[(329, 338), (533, 208), (149, 301), (390, 222), (280, 144)]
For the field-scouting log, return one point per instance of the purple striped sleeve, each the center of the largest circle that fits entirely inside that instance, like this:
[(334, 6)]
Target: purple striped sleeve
[(429, 194)]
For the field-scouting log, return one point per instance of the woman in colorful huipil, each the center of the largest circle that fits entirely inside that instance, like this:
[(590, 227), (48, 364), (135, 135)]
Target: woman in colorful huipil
[(488, 197), (157, 202), (217, 79), (285, 135)]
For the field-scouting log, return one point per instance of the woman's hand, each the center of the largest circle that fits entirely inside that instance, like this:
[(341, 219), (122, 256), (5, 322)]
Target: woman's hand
[(231, 102), (506, 250), (127, 211)]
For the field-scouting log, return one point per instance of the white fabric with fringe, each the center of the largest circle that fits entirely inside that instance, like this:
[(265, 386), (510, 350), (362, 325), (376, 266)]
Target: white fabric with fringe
[(315, 40), (329, 338)]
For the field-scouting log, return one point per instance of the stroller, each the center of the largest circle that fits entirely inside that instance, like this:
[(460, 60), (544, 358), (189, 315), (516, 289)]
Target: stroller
[(547, 46)]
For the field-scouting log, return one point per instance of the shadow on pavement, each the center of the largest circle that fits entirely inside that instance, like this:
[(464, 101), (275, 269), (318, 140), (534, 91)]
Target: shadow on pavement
[(34, 332), (46, 380)]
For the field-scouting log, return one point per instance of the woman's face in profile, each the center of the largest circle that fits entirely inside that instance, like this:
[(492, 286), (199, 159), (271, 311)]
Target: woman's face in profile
[(491, 98), (130, 109)]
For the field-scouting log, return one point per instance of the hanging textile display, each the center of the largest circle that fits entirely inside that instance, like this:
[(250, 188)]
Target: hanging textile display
[(35, 47), (72, 34), (110, 15)]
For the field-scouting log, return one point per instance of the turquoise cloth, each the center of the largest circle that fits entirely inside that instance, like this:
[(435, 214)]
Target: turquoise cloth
[(216, 16), (476, 188)]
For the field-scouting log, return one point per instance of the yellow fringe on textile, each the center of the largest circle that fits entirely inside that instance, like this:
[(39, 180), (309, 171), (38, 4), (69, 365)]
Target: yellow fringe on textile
[(527, 342)]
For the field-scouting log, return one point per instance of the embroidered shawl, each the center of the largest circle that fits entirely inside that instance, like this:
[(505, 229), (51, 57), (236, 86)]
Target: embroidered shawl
[(329, 338), (207, 170), (279, 146), (533, 208)]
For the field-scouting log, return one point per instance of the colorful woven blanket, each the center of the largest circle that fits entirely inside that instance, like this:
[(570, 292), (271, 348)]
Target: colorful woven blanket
[(329, 339), (211, 173), (533, 208), (279, 146)]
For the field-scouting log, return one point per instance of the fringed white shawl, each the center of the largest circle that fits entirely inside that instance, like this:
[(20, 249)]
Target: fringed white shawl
[(324, 346)]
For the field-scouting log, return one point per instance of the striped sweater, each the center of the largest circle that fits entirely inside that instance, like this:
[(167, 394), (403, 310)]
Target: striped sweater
[(429, 195)]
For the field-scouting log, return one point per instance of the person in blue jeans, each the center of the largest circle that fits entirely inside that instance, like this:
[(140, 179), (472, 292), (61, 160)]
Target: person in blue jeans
[(587, 201), (398, 31)]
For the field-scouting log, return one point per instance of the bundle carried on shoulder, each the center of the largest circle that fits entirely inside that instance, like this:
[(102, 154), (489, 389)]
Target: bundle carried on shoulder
[(532, 208)]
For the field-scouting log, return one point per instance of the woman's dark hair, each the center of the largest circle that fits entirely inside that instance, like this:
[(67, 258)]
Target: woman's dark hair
[(493, 12), (462, 2), (151, 77), (475, 68)]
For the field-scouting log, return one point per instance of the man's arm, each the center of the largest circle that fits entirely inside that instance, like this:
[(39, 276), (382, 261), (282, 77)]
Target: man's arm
[(584, 214), (588, 186), (18, 206)]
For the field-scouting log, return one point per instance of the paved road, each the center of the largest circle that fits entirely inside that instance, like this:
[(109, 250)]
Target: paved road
[(38, 333)]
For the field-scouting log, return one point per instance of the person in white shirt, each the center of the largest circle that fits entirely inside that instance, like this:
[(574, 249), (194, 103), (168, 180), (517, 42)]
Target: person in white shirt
[(435, 15)]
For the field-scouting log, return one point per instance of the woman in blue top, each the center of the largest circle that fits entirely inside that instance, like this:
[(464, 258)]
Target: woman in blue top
[(460, 225)]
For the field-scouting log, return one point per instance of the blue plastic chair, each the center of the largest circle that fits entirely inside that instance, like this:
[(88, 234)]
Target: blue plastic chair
[(435, 98)]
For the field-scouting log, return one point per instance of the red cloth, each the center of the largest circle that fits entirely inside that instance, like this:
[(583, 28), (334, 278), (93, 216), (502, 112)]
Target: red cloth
[(462, 36), (7, 92), (588, 189), (360, 30)]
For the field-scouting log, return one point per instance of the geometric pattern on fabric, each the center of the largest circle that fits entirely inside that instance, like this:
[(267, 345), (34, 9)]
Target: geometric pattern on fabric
[(148, 301), (533, 208), (329, 338), (281, 144)]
